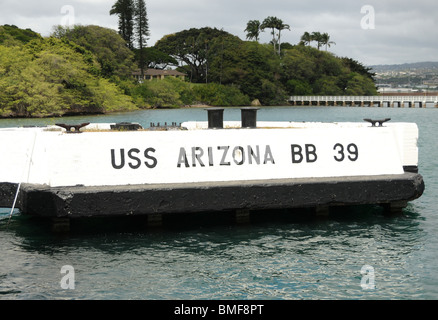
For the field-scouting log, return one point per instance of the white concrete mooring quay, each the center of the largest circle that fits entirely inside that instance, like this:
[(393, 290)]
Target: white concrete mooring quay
[(67, 171), (369, 101)]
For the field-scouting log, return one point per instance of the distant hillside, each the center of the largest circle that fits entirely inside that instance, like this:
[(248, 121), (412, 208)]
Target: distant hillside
[(406, 66), (13, 33)]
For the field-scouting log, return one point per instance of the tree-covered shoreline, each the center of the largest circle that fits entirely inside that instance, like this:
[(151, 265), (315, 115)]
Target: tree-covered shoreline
[(88, 70)]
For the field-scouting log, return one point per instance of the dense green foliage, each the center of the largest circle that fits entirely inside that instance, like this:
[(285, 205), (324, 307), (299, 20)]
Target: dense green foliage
[(308, 71), (155, 59), (55, 77), (211, 55), (172, 92), (251, 67), (10, 35), (192, 48), (88, 69), (110, 50)]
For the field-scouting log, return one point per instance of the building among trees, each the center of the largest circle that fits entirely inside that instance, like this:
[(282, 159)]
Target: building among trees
[(156, 74)]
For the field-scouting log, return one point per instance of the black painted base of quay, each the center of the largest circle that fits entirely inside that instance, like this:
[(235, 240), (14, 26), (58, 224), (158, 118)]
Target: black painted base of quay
[(391, 191), (8, 192)]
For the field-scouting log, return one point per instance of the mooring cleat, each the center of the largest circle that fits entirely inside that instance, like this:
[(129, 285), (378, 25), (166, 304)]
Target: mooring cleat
[(374, 122), (72, 128)]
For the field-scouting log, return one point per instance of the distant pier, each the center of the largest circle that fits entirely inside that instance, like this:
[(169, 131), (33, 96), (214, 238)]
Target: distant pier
[(367, 101)]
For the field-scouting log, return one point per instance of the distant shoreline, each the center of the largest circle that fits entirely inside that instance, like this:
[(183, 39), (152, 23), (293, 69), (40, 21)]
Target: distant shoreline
[(194, 106)]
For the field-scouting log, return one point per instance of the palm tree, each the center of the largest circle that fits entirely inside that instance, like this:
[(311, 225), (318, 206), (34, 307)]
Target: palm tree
[(275, 23), (271, 23), (317, 36), (325, 40), (253, 30), (280, 26), (306, 38)]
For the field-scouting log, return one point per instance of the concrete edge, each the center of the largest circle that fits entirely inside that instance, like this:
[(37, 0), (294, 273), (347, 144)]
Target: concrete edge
[(80, 201)]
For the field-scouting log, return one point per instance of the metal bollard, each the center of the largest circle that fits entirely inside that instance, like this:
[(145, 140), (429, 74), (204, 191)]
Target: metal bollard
[(215, 118), (126, 126), (249, 117)]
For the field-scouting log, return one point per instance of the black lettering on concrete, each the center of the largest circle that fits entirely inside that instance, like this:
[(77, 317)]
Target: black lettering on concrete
[(197, 156), (122, 159), (182, 158), (297, 153), (353, 150), (239, 154), (298, 156), (210, 157), (236, 152), (149, 157), (252, 155), (268, 156), (133, 157), (224, 155), (311, 155), (340, 149)]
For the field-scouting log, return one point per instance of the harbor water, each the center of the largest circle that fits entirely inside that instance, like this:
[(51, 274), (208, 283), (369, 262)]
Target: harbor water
[(354, 253)]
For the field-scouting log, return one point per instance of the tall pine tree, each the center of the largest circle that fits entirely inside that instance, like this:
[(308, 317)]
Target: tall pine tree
[(141, 30), (125, 10)]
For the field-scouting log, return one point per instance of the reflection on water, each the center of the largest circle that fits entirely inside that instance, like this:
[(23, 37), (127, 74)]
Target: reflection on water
[(285, 257)]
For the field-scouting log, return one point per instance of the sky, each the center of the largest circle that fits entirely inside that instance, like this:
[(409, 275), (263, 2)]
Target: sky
[(371, 32)]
